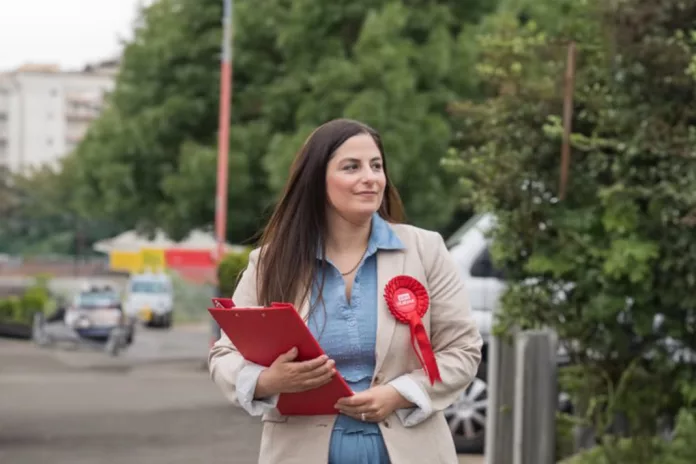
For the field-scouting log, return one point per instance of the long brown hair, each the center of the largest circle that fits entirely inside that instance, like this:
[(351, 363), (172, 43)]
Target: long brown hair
[(287, 266)]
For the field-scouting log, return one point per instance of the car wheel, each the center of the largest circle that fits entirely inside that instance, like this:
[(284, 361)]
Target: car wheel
[(466, 417)]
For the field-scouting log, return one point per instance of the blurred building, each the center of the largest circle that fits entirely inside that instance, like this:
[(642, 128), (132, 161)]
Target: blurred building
[(45, 111)]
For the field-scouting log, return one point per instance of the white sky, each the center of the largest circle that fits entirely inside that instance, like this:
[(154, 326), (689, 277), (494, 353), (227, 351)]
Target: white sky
[(69, 33)]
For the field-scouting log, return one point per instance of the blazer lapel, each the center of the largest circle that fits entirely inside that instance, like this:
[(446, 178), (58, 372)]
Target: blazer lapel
[(390, 263)]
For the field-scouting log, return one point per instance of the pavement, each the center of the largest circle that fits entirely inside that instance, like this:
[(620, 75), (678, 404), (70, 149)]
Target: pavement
[(152, 404)]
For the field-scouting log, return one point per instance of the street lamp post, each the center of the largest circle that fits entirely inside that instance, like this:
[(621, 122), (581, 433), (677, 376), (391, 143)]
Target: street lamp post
[(224, 129)]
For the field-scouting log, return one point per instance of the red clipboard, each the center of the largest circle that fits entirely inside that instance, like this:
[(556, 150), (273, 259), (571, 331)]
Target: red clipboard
[(261, 334)]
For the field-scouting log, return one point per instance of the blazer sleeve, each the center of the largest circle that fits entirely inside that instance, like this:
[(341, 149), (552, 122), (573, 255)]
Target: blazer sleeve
[(454, 336), (228, 369)]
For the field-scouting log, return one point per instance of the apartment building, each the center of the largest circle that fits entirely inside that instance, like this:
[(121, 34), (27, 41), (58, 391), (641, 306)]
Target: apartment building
[(45, 111)]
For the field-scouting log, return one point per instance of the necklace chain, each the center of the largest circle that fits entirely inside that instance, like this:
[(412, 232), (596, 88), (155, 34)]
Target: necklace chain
[(357, 264)]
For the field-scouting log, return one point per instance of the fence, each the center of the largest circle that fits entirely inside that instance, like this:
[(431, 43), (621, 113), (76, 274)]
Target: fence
[(57, 266), (523, 398)]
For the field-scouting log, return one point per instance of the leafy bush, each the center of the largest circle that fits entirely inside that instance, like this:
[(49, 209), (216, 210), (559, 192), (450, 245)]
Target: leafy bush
[(230, 270), (10, 309), (190, 300), (679, 450), (601, 264), (35, 299), (21, 309)]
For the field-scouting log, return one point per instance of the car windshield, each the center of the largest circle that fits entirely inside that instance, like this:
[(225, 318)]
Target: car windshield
[(97, 299), (459, 233), (149, 286)]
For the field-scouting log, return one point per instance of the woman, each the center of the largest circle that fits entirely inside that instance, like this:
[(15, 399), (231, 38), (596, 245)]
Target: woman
[(330, 247)]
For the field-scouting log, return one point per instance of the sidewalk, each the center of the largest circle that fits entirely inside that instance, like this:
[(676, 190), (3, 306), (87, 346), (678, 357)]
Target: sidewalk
[(471, 459)]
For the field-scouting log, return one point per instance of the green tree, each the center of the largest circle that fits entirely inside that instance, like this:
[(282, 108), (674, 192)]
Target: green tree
[(39, 216), (150, 159), (600, 265)]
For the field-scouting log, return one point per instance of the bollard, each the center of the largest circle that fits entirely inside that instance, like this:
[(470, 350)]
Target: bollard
[(536, 398), (501, 396)]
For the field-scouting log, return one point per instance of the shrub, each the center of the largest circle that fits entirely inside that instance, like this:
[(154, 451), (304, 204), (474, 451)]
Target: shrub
[(191, 300), (230, 270), (601, 264)]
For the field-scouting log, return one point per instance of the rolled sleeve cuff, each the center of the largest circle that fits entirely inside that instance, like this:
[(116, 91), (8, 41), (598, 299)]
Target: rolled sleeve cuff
[(246, 386), (409, 389)]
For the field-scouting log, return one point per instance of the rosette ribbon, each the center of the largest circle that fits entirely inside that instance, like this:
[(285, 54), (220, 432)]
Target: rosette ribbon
[(408, 300)]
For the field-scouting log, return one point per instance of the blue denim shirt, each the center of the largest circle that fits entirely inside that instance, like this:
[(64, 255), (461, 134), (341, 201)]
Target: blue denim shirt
[(347, 330)]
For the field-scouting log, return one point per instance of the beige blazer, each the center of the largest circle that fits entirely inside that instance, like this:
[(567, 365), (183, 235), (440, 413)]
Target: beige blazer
[(453, 334)]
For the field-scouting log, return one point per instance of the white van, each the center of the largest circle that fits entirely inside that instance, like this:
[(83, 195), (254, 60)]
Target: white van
[(150, 298)]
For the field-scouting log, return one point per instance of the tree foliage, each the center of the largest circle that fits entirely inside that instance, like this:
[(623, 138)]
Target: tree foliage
[(38, 216), (612, 268), (150, 158)]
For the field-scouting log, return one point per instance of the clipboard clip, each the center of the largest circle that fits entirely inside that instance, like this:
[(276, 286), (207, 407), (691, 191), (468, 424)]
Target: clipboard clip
[(223, 303)]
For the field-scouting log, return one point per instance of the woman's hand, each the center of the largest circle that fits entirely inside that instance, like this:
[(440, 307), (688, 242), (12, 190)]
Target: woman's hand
[(374, 404), (287, 376)]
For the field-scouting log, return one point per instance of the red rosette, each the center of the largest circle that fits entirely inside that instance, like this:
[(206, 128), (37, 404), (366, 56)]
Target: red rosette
[(408, 300)]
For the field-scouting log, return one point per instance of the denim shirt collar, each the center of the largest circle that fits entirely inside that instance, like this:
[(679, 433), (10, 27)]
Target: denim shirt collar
[(382, 237)]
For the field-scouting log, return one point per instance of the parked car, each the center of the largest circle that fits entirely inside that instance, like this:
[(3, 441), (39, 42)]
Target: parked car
[(150, 299), (95, 312), (485, 284)]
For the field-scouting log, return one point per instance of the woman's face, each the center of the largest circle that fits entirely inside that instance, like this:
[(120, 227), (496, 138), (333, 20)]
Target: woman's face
[(355, 179)]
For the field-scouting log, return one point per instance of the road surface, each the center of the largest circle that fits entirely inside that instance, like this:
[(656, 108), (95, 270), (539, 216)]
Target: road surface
[(75, 407)]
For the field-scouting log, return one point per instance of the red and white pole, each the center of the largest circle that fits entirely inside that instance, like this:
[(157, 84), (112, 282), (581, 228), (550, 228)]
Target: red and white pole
[(224, 130)]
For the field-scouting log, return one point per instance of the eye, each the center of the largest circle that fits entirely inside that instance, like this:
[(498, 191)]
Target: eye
[(377, 165), (350, 167)]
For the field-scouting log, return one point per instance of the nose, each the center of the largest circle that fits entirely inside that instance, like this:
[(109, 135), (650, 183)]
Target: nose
[(369, 175)]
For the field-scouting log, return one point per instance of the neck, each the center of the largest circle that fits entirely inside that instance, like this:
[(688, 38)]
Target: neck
[(345, 235)]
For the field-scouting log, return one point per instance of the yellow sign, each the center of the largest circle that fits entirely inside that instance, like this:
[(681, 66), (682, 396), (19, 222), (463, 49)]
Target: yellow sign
[(153, 259), (128, 261)]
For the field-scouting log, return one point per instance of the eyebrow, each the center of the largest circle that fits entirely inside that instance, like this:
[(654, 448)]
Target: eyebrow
[(356, 160)]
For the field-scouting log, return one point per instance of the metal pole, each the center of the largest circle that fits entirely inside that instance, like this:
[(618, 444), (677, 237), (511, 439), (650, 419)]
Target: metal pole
[(223, 129), (567, 120)]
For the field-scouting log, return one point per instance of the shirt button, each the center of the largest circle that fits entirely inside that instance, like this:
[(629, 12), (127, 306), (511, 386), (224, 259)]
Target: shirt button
[(386, 423)]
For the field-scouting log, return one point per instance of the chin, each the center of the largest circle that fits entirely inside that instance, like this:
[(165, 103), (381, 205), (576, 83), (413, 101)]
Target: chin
[(359, 215)]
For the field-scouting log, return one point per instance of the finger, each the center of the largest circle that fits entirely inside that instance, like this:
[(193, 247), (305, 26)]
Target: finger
[(357, 400), (349, 411), (357, 410), (289, 355), (325, 369), (365, 416), (308, 366), (318, 381)]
